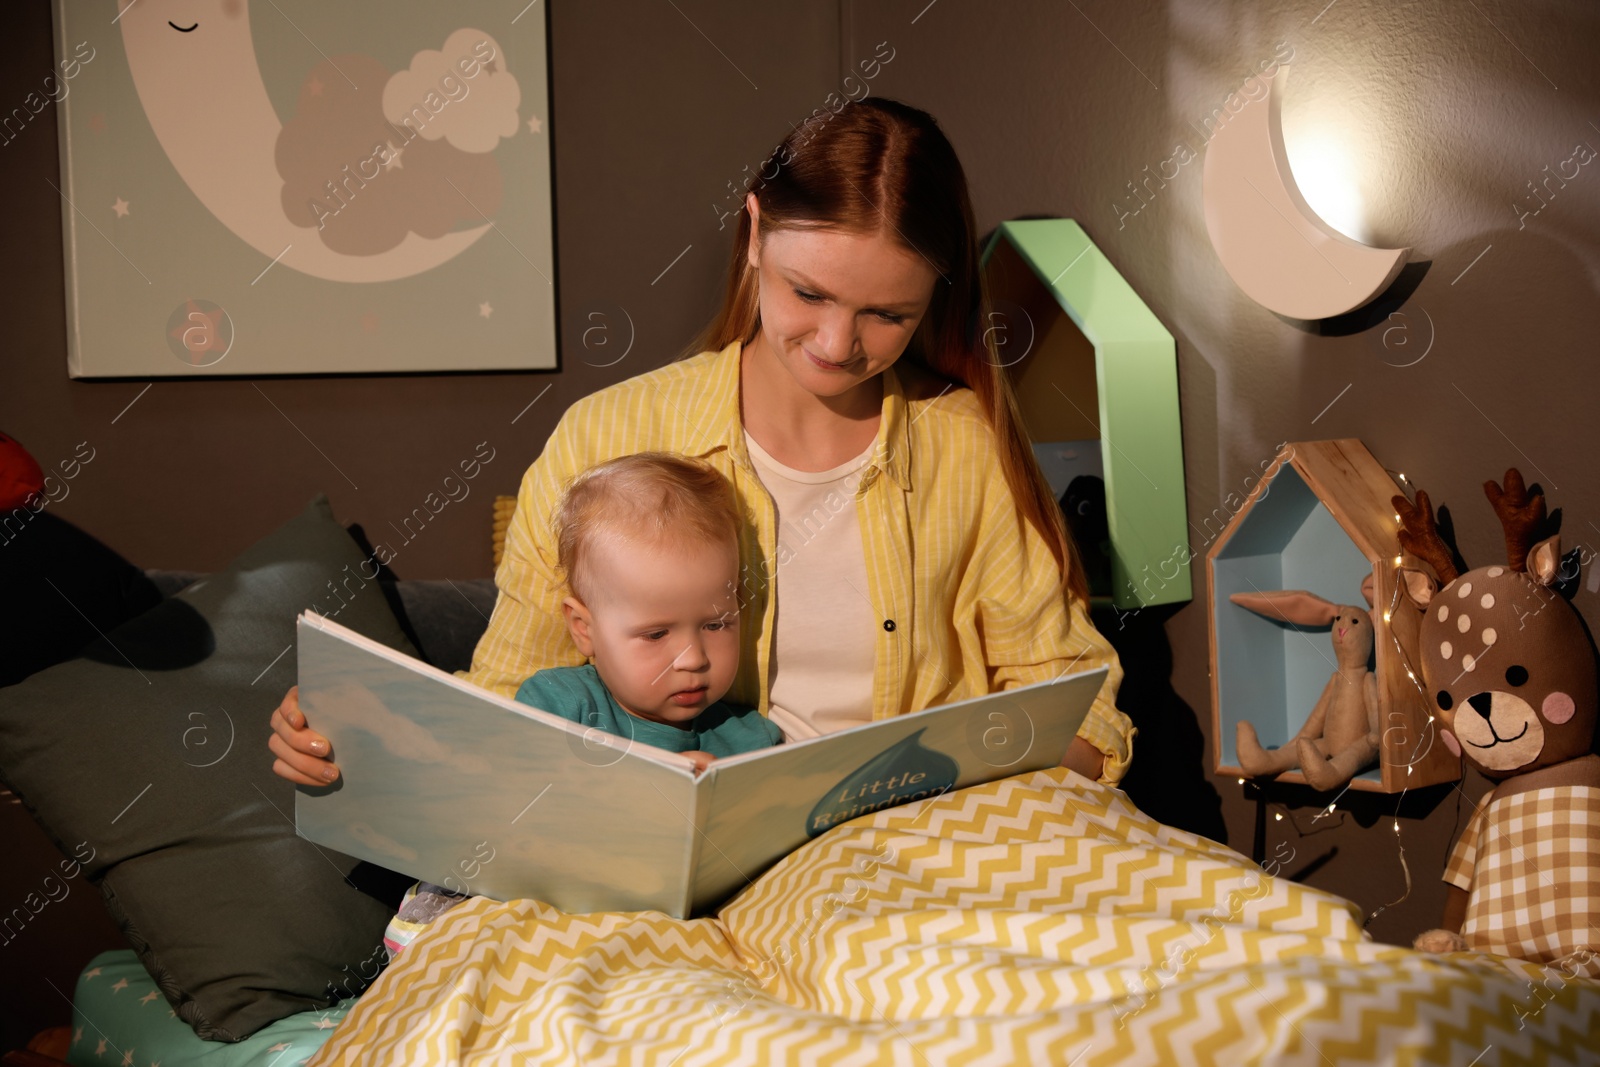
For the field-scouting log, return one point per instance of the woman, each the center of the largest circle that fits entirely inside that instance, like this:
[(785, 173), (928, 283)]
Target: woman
[(849, 391)]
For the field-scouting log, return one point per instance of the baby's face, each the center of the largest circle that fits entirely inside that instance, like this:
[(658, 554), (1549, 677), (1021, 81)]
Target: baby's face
[(663, 625)]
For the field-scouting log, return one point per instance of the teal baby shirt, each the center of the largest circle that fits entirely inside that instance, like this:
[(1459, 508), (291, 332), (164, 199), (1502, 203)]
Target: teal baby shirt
[(578, 694)]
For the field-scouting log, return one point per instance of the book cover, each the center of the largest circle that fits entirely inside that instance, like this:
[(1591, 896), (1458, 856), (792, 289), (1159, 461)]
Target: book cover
[(452, 784)]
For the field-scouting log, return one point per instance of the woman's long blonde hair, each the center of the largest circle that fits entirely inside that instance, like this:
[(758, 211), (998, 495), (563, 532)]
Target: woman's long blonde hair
[(880, 166)]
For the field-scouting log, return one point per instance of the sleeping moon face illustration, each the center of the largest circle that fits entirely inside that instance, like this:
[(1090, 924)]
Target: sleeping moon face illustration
[(195, 69), (1270, 241)]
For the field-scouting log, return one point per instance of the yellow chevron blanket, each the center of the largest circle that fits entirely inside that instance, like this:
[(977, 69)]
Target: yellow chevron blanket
[(1040, 919)]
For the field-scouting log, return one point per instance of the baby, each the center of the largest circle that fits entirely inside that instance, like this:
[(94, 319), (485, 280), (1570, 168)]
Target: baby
[(648, 545), (649, 548)]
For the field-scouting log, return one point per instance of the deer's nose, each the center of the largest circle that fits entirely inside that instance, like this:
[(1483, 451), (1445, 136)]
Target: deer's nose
[(1481, 703)]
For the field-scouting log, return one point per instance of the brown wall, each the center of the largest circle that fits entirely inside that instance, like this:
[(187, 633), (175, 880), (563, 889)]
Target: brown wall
[(1447, 110)]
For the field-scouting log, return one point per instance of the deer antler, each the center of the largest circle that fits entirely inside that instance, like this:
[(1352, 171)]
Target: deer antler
[(1521, 515), (1419, 535)]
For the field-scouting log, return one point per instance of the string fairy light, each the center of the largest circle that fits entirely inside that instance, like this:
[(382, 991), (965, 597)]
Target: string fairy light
[(1405, 868), (1418, 751), (1316, 825)]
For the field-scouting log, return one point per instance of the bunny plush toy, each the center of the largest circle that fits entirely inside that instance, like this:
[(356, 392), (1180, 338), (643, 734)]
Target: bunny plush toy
[(1340, 737), (1512, 672)]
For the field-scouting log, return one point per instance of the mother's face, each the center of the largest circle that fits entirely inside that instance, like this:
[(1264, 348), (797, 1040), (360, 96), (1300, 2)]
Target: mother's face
[(837, 308)]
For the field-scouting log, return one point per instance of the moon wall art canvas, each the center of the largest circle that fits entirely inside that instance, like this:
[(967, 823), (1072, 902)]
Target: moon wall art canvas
[(254, 187)]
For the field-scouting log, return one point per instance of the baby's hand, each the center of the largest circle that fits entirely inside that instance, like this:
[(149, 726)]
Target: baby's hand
[(701, 759)]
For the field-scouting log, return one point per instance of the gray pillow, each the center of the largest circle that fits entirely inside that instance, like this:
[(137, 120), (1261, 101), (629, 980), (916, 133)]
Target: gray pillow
[(145, 760)]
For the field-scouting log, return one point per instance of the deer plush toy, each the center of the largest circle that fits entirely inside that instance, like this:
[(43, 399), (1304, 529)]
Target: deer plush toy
[(1340, 737), (1511, 669)]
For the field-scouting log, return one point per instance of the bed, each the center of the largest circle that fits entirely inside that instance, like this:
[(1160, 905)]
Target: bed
[(1038, 919)]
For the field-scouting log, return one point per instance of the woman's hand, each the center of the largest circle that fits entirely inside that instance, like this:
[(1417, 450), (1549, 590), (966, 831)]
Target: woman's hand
[(302, 753), (1085, 759)]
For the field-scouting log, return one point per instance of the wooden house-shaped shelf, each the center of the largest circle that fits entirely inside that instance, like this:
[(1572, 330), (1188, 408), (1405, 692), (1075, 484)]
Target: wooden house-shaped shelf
[(1096, 374), (1320, 519)]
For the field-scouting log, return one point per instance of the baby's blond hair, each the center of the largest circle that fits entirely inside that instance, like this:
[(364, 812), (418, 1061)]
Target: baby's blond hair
[(661, 498)]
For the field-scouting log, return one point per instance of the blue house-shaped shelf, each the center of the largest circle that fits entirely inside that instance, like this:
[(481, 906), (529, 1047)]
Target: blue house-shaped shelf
[(1320, 519), (1097, 380)]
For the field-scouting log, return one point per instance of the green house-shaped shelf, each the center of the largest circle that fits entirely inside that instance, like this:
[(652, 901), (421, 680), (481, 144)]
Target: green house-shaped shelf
[(1320, 519), (1097, 378)]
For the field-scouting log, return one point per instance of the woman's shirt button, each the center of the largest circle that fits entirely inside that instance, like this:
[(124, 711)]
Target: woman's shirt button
[(888, 624)]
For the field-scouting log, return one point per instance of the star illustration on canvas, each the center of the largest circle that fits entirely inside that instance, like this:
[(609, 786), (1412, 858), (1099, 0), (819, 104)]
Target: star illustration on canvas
[(391, 158), (122, 983), (77, 1035), (100, 1049), (279, 1047), (92, 974), (534, 125), (127, 1058), (121, 208), (148, 997), (325, 1023), (485, 310)]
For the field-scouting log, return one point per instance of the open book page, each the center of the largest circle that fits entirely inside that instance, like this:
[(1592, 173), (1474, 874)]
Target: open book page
[(452, 784)]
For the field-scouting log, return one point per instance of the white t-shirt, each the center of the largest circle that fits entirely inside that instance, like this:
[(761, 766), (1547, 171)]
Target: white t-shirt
[(822, 665)]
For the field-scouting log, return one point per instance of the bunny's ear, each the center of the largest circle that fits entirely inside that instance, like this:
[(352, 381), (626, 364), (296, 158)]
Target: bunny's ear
[(1420, 586), (1290, 605), (1367, 586)]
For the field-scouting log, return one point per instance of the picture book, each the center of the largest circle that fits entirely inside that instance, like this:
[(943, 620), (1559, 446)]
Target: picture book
[(452, 784)]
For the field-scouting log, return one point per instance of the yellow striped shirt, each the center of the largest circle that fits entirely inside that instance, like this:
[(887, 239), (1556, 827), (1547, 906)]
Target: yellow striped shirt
[(965, 587)]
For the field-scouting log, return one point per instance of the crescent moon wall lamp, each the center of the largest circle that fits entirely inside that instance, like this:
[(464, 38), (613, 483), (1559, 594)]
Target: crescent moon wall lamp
[(1270, 241)]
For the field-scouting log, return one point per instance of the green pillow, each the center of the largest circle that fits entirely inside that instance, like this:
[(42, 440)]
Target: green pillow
[(145, 759)]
